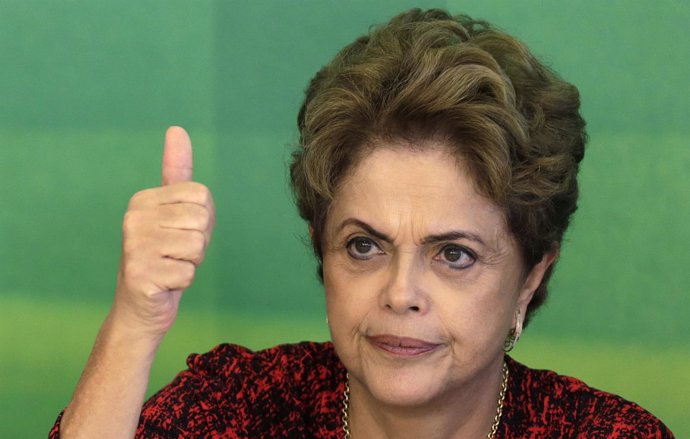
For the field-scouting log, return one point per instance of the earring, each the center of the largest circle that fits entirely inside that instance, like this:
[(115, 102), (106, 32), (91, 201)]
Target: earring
[(509, 342), (513, 335)]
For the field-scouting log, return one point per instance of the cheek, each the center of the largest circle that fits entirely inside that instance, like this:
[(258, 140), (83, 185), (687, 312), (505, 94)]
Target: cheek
[(343, 311), (351, 298), (345, 283), (333, 281), (341, 300), (475, 313)]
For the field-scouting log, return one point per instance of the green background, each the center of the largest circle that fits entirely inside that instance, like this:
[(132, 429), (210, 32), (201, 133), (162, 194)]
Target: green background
[(87, 89)]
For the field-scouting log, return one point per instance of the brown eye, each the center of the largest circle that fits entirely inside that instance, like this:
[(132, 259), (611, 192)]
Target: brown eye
[(362, 248), (456, 257)]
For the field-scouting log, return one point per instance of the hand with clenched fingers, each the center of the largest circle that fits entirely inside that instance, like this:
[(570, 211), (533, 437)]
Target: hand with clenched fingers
[(164, 237), (166, 231)]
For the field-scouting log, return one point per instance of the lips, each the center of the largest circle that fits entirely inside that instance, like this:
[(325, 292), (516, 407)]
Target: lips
[(402, 346)]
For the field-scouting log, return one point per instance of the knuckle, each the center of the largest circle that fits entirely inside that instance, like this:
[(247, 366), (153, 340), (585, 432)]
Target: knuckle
[(138, 198), (199, 187), (196, 216), (198, 242), (132, 272), (211, 219), (187, 272), (129, 221), (204, 219), (208, 197), (129, 246), (136, 247), (202, 193)]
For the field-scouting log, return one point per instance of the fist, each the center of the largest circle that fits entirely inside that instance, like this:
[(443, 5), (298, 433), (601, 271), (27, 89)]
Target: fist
[(165, 233)]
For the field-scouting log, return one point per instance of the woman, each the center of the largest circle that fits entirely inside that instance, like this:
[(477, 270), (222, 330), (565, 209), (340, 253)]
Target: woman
[(437, 174)]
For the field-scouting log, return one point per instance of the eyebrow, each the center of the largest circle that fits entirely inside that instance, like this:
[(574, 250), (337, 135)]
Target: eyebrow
[(453, 235), (431, 239), (366, 227)]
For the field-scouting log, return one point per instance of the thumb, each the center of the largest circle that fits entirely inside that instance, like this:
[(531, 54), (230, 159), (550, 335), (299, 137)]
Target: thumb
[(177, 157)]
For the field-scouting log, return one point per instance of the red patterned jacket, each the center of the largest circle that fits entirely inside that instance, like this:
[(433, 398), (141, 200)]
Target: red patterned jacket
[(295, 391)]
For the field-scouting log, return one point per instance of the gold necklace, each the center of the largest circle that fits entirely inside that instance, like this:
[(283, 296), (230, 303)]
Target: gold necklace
[(494, 428)]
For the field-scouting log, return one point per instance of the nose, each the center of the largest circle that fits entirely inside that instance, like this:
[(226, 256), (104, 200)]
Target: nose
[(404, 292)]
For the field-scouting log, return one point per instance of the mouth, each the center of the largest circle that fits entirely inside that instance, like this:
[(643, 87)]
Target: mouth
[(402, 346)]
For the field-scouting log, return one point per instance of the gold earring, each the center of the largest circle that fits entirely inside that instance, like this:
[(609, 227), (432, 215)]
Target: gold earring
[(513, 335), (510, 340)]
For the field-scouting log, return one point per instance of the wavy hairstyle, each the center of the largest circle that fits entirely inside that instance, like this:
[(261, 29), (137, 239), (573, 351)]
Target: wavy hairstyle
[(427, 75)]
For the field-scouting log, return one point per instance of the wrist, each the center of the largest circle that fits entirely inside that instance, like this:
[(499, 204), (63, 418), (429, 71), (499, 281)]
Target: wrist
[(149, 317), (128, 336)]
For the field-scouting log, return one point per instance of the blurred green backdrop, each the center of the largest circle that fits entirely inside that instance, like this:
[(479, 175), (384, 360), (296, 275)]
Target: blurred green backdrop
[(87, 89)]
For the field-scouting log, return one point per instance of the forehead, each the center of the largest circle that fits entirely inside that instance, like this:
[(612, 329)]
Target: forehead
[(426, 188)]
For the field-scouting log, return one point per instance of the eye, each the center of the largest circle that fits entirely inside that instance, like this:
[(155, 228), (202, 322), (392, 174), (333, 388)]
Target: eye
[(362, 248), (456, 257)]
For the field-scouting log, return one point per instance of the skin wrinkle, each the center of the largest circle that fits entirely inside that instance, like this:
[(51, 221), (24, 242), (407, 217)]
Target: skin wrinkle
[(403, 290), (429, 75), (496, 253)]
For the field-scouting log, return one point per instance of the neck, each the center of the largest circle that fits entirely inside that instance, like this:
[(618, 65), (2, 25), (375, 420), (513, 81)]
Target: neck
[(466, 411)]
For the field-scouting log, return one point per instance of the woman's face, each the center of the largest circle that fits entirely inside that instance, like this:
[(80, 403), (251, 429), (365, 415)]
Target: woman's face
[(422, 279)]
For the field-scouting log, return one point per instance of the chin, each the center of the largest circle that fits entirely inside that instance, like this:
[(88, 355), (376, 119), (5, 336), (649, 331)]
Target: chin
[(405, 395), (405, 387)]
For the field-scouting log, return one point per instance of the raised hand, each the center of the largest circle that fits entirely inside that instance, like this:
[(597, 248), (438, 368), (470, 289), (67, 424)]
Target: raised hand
[(166, 231), (164, 237)]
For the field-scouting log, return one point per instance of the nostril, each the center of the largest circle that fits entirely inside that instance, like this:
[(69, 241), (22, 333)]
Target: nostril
[(414, 308)]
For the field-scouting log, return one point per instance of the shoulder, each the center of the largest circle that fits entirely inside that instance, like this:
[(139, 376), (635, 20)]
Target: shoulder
[(563, 406), (295, 369), (226, 359), (284, 368), (246, 393)]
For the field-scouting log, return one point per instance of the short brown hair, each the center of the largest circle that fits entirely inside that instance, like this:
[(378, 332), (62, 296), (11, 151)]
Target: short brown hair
[(428, 75)]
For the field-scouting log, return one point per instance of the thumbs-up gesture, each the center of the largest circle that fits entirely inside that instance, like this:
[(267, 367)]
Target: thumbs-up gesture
[(165, 233)]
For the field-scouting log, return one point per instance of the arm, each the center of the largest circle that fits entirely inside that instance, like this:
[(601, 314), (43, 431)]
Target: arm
[(111, 390), (165, 234)]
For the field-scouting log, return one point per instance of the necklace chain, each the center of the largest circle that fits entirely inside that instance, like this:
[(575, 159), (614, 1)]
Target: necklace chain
[(499, 406), (346, 408), (494, 428)]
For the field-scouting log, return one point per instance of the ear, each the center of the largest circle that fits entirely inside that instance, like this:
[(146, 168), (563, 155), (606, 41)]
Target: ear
[(534, 278), (311, 232)]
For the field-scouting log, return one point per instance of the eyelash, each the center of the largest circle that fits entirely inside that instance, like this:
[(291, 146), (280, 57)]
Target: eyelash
[(441, 256), (361, 240)]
